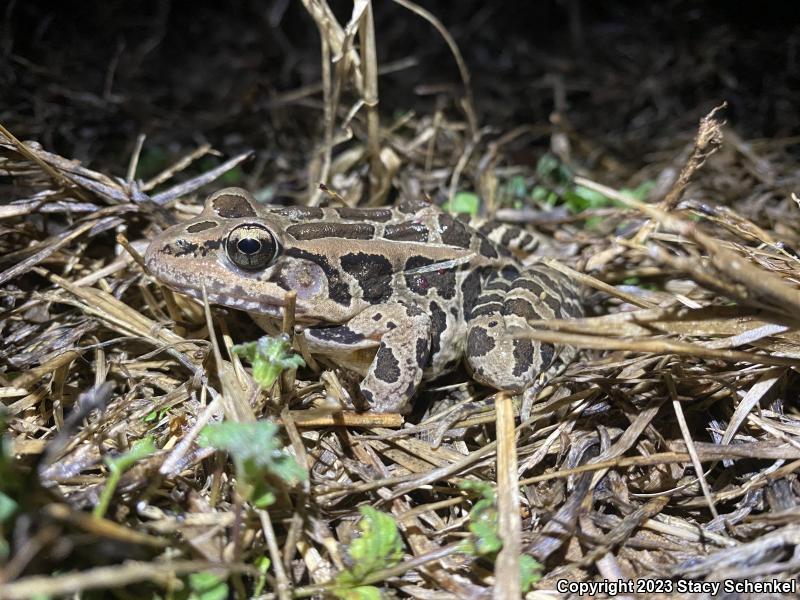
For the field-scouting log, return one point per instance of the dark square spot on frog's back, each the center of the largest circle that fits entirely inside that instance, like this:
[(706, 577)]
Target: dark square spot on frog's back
[(372, 272), (453, 232), (487, 249), (442, 280)]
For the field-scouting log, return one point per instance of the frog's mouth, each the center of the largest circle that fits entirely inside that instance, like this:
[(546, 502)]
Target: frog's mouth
[(230, 301), (192, 282)]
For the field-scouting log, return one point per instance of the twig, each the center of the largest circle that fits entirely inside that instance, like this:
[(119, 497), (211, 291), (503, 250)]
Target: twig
[(469, 104), (509, 524)]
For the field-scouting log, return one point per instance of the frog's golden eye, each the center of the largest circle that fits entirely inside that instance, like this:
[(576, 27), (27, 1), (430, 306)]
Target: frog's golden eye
[(251, 247)]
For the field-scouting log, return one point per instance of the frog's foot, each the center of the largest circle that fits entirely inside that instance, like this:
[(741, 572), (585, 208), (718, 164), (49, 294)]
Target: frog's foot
[(494, 355), (402, 335)]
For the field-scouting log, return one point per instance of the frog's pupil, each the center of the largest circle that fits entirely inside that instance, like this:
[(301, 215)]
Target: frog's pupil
[(248, 245)]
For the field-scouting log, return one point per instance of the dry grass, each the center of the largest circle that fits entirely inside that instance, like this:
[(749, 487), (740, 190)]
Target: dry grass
[(669, 449)]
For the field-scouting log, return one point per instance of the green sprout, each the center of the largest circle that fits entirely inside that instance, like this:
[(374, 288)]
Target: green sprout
[(262, 564), (10, 482), (256, 453), (117, 465), (379, 547), (270, 356), (486, 541), (556, 185), (463, 203), (207, 586)]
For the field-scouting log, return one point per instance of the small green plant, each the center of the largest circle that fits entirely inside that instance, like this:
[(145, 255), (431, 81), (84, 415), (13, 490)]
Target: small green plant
[(256, 453), (485, 541), (262, 564), (516, 187), (463, 203), (152, 160), (117, 465), (155, 415), (379, 547), (206, 586), (270, 356), (9, 483), (557, 186), (233, 177)]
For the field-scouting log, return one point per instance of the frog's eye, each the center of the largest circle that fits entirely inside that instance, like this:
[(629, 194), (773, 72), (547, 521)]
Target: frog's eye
[(251, 247)]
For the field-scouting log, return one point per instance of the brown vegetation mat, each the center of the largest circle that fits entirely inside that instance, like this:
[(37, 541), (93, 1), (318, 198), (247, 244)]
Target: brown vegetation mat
[(668, 450)]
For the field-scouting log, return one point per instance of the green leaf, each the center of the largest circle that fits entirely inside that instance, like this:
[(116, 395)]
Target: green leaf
[(517, 187), (379, 547), (207, 586), (547, 166), (117, 465), (141, 449), (580, 198), (262, 564), (641, 191), (539, 193), (152, 159), (269, 357), (483, 523), (11, 480), (7, 507), (155, 415), (483, 489), (362, 592), (256, 452), (463, 203), (232, 177), (594, 222), (483, 520), (530, 572)]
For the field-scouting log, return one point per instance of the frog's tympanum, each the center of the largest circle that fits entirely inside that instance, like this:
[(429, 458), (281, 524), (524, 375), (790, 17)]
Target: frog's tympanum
[(411, 287)]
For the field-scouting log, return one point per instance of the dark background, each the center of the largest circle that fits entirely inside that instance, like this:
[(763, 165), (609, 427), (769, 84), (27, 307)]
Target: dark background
[(86, 78)]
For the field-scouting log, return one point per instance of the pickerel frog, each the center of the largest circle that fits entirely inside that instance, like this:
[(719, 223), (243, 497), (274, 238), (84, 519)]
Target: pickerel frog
[(412, 287)]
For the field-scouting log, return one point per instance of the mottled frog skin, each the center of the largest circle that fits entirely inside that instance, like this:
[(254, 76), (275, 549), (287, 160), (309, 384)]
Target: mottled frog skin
[(410, 287)]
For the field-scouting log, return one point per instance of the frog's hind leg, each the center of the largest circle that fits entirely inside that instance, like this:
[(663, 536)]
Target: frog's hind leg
[(507, 302), (402, 335)]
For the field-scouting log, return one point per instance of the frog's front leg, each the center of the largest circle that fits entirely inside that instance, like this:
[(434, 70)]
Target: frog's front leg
[(402, 335)]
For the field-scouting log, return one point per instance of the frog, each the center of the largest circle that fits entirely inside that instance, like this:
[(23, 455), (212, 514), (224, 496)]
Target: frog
[(398, 294)]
